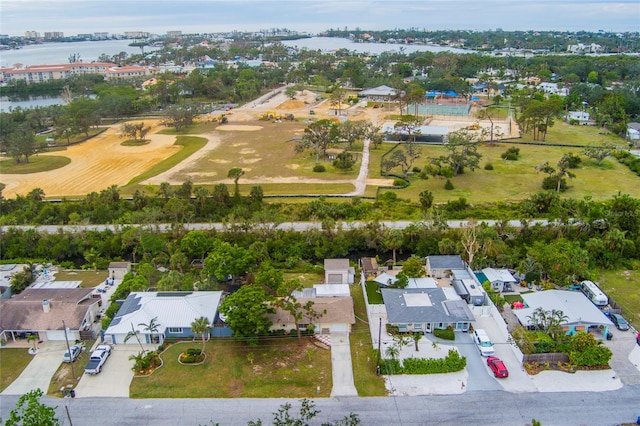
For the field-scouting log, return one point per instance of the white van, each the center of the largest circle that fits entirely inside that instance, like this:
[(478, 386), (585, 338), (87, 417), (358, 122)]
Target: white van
[(593, 292), (482, 341)]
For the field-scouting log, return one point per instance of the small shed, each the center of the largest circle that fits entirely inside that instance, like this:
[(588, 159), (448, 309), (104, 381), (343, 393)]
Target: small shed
[(369, 266), (118, 270), (440, 266), (338, 271)]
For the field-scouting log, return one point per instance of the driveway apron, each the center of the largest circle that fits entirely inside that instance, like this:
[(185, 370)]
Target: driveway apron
[(342, 369)]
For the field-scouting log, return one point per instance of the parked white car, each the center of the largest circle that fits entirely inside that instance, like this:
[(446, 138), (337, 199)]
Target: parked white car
[(98, 358), (76, 350), (482, 341)]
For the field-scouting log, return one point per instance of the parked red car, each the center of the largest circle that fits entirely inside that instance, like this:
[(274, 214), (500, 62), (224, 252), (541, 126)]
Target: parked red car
[(497, 366)]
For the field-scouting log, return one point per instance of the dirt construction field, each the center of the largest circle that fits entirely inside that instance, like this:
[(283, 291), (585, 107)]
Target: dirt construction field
[(103, 161), (95, 165)]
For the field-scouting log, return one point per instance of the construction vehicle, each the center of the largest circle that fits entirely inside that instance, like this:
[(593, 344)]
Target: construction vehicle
[(270, 115), (289, 117), (474, 126)]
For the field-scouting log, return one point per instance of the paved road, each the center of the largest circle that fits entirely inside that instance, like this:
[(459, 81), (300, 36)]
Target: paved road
[(477, 408), (293, 226)]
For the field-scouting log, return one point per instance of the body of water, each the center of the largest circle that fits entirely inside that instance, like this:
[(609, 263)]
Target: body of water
[(32, 102), (330, 44), (59, 53)]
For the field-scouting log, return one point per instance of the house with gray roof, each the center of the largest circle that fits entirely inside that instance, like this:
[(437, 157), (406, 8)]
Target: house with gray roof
[(172, 312), (426, 309), (440, 266)]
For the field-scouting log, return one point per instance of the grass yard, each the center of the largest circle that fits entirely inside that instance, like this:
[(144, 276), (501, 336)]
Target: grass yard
[(374, 296), (622, 286), (564, 133), (36, 164), (276, 368), (367, 382), (511, 298), (89, 279), (63, 377), (518, 180), (190, 144), (306, 279), (12, 362)]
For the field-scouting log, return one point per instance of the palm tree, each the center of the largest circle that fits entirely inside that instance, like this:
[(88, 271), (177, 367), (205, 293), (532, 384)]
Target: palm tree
[(151, 327), (200, 326), (236, 173), (133, 333), (416, 338)]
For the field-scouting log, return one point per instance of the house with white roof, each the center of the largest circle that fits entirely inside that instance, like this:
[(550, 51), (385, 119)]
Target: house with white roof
[(581, 314), (378, 94), (172, 312), (499, 278), (582, 118)]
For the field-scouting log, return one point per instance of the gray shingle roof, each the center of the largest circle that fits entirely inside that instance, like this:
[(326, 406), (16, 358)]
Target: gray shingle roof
[(446, 262), (423, 305)]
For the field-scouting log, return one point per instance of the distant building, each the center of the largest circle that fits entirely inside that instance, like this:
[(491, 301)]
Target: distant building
[(136, 34), (51, 35), (31, 34), (43, 73), (174, 34), (578, 117)]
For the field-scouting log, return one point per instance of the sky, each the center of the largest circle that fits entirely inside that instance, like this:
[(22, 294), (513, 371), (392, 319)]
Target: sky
[(209, 16)]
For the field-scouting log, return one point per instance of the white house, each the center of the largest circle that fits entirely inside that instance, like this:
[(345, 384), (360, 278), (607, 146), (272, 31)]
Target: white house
[(171, 312), (499, 278), (582, 118), (581, 314), (552, 89), (338, 271), (633, 132), (380, 93)]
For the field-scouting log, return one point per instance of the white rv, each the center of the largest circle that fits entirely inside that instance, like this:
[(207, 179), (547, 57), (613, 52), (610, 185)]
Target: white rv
[(593, 292)]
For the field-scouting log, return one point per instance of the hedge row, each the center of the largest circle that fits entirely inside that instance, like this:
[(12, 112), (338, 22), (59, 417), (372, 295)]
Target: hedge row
[(451, 363)]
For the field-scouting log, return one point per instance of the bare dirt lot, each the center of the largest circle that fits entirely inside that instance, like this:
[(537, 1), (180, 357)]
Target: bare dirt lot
[(103, 161), (95, 165)]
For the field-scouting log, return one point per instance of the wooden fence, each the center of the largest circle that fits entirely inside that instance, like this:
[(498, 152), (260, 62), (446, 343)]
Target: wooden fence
[(551, 358)]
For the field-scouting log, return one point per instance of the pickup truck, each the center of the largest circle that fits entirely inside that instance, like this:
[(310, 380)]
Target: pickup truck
[(98, 358)]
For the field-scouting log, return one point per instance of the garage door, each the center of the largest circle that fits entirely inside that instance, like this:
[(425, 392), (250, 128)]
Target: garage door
[(339, 328), (334, 279), (56, 335)]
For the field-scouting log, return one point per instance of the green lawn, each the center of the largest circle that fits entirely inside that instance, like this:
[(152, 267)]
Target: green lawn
[(374, 296), (89, 278), (362, 355), (511, 298), (622, 286), (518, 180), (190, 144), (36, 164), (277, 368), (12, 362), (306, 279)]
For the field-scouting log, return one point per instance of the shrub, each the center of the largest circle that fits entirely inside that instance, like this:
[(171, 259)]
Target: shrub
[(511, 154), (67, 264), (319, 168), (488, 166), (194, 351), (390, 366), (551, 183), (451, 363), (416, 169), (399, 182), (448, 185), (447, 334)]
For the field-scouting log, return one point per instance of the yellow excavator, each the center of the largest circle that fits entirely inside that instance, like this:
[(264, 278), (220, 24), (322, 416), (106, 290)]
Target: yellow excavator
[(269, 115)]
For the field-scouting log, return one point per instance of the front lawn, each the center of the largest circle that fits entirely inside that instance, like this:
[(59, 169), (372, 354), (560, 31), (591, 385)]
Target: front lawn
[(363, 359), (12, 362), (282, 367)]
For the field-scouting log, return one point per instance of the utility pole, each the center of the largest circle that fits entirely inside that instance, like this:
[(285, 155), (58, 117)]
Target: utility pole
[(379, 344), (66, 338)]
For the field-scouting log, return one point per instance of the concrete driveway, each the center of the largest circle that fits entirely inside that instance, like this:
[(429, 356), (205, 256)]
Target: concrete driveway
[(115, 378), (40, 370), (623, 345), (341, 366)]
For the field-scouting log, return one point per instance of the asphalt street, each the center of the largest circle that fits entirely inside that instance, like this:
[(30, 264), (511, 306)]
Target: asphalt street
[(478, 408)]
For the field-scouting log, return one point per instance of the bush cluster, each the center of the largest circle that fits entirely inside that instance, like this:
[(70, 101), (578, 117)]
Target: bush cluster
[(629, 160), (511, 154), (447, 334), (451, 363), (319, 168)]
